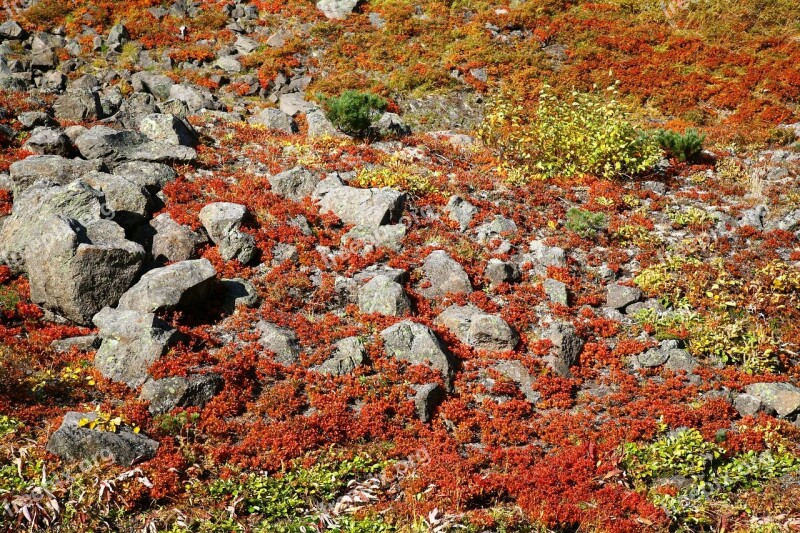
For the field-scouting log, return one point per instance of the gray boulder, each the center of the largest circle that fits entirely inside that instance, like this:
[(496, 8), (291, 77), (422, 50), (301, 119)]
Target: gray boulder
[(782, 399), (294, 103), (280, 341), (416, 344), (78, 105), (74, 443), (195, 98), (349, 354), (542, 256), (75, 271), (555, 291), (337, 9), (391, 125), (49, 141), (166, 394), (131, 342), (34, 119), (478, 329), (498, 271), (426, 399), (222, 221), (390, 236), (115, 147), (620, 296), (12, 31), (33, 210), (153, 176), (126, 202), (134, 108), (158, 85), (186, 284), (446, 276), (274, 119), (168, 129), (384, 296), (519, 374), (567, 346), (168, 241), (461, 211), (319, 125), (295, 184), (53, 168)]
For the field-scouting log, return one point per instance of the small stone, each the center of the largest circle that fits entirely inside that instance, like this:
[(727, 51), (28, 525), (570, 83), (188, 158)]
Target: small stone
[(280, 341), (166, 394), (349, 354), (426, 399), (478, 329), (780, 398), (498, 271), (186, 285), (416, 344), (461, 211), (294, 184), (274, 119), (747, 404), (383, 296), (446, 276), (620, 296), (556, 291)]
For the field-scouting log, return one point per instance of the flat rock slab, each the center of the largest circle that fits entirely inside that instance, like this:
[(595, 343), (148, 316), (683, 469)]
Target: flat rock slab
[(364, 207), (123, 447), (185, 284), (478, 329)]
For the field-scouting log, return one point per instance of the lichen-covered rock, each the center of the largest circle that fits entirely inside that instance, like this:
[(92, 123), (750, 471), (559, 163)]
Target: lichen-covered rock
[(75, 271), (349, 355), (74, 443), (186, 284), (426, 399), (364, 207), (168, 129), (280, 341), (620, 296), (337, 9), (478, 329), (49, 141), (445, 274), (295, 183), (222, 221), (131, 342), (53, 168), (383, 296), (274, 119), (780, 398), (166, 394), (416, 344)]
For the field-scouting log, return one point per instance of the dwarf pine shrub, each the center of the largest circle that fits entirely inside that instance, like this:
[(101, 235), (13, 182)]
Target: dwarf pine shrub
[(353, 112), (685, 146), (582, 133)]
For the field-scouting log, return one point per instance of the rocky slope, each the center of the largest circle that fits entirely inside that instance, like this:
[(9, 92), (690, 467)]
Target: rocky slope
[(221, 313)]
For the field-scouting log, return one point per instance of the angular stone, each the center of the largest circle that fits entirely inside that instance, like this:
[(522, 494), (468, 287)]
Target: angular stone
[(169, 129), (295, 184), (83, 343), (126, 202), (115, 147), (158, 85), (383, 296), (49, 141), (222, 221), (238, 292), (186, 285), (53, 168), (416, 344), (320, 126), (75, 271), (620, 296), (461, 211), (123, 447), (498, 271), (35, 207), (274, 119), (131, 342), (478, 329), (78, 105), (153, 176), (780, 398), (446, 276), (567, 346), (747, 404), (166, 394), (426, 399), (390, 236), (280, 341), (337, 9), (169, 241), (135, 108), (555, 291), (364, 207), (349, 354), (516, 372)]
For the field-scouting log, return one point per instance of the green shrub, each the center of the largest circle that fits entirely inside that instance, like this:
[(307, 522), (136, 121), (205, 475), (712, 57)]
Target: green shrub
[(584, 133), (686, 146), (353, 112), (585, 223)]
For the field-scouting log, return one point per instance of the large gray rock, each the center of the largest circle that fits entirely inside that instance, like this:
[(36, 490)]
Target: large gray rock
[(274, 119), (54, 168), (168, 129), (153, 176), (280, 341), (49, 141), (390, 236), (195, 98), (78, 105), (364, 207), (166, 394), (320, 126), (123, 447), (295, 184), (620, 296), (169, 241), (158, 85), (349, 354), (131, 342), (445, 274), (461, 211), (782, 399), (498, 271), (127, 203), (11, 30), (384, 296), (567, 346), (186, 284), (337, 9), (134, 108), (75, 271), (115, 147), (33, 210), (416, 344), (222, 221), (519, 374), (478, 329)]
